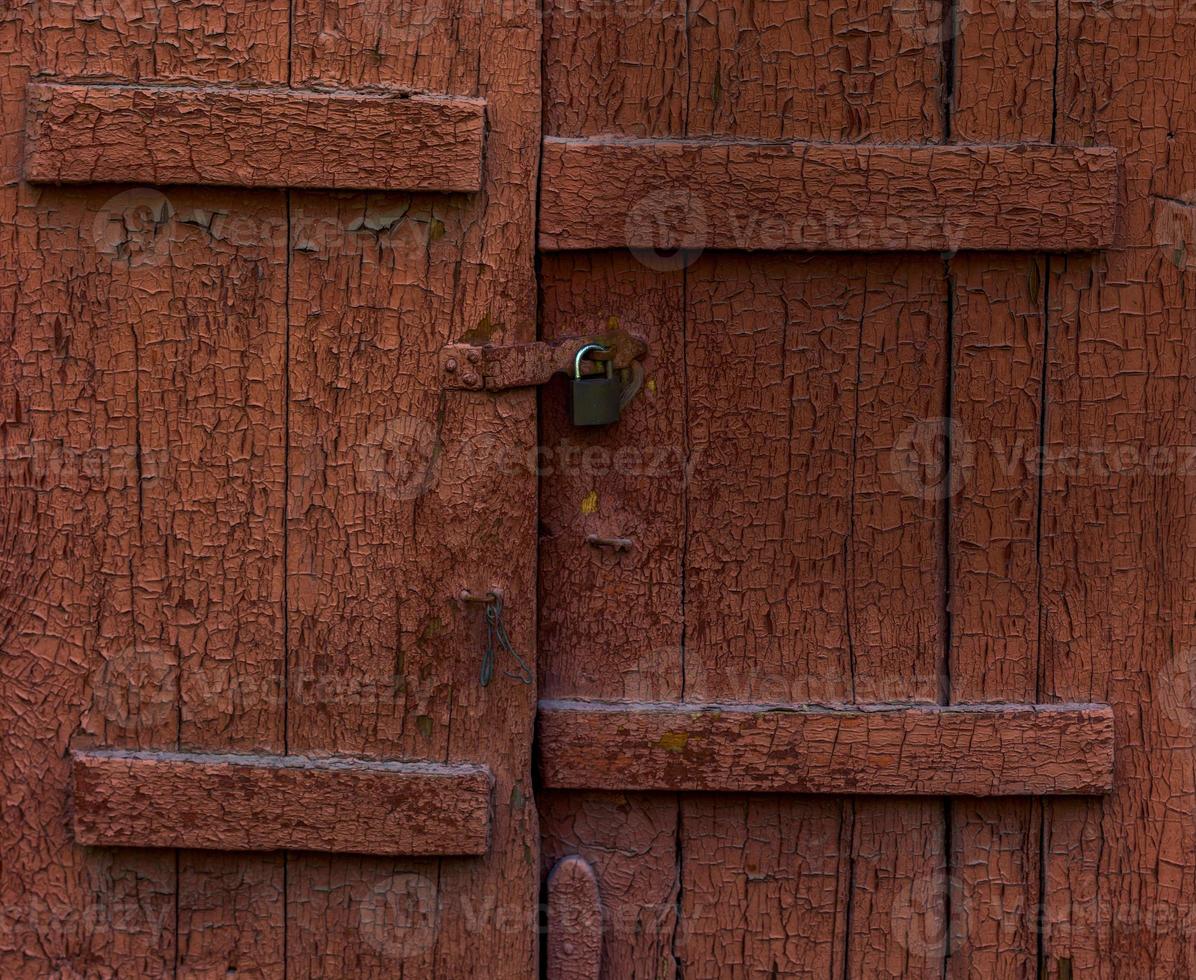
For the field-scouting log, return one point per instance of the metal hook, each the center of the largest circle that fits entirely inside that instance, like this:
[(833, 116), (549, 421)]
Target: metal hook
[(496, 637)]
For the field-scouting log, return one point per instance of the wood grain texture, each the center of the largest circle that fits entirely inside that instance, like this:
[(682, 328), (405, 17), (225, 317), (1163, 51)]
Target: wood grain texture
[(252, 138), (768, 485), (999, 332), (815, 197), (1119, 607), (1009, 750), (623, 481), (398, 498), (144, 339), (831, 72), (864, 573), (573, 939), (211, 457), (267, 803), (1003, 91), (234, 42), (801, 887)]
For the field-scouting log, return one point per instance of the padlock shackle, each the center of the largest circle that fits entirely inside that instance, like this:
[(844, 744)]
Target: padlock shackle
[(581, 352)]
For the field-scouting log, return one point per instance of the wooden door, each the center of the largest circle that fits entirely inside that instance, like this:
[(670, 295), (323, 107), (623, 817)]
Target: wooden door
[(240, 512), (863, 639), (917, 282)]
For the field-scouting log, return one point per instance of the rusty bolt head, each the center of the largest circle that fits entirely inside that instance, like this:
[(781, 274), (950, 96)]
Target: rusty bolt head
[(450, 366)]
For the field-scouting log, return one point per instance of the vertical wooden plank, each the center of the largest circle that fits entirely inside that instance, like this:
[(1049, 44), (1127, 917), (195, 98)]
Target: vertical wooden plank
[(897, 588), (771, 351), (399, 498), (1003, 91), (614, 68), (762, 883), (754, 69), (112, 277), (996, 412), (840, 72), (1119, 594), (210, 364), (617, 68), (627, 480), (73, 657)]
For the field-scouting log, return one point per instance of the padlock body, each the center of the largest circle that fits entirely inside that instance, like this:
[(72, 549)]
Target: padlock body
[(595, 401)]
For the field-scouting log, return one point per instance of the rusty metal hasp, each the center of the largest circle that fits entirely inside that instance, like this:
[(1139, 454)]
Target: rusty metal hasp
[(496, 367)]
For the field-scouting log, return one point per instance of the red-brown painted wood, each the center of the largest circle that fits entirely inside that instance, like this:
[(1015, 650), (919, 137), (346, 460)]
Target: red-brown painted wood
[(1118, 524), (151, 342), (573, 939), (817, 197), (268, 803), (137, 357), (86, 134), (399, 497), (785, 505), (999, 750), (1005, 60)]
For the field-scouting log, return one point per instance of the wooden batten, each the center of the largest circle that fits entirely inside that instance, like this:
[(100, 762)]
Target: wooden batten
[(991, 750), (267, 803), (726, 194), (252, 138)]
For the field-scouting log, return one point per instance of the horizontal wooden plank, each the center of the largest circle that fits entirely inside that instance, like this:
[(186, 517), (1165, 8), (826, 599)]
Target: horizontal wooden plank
[(990, 750), (665, 195), (267, 803), (265, 137)]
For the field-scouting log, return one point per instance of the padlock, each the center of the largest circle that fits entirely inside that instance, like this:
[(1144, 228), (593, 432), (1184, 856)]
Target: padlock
[(594, 400)]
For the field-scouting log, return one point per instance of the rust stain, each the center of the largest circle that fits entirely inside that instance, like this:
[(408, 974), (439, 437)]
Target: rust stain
[(673, 741)]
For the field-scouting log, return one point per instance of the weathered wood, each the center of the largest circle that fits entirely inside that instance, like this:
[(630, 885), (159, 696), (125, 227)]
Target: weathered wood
[(400, 496), (144, 342), (998, 331), (267, 803), (757, 328), (818, 493), (630, 840), (252, 137), (815, 197), (208, 573), (811, 492), (1003, 91), (1119, 515), (573, 941), (622, 481), (924, 750)]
